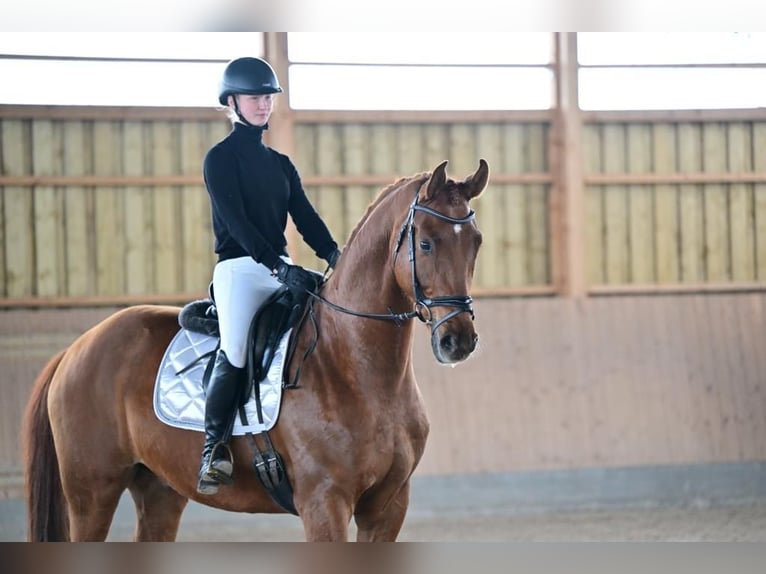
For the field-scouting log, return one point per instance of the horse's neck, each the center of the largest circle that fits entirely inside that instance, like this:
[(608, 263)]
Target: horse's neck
[(365, 282), (367, 287)]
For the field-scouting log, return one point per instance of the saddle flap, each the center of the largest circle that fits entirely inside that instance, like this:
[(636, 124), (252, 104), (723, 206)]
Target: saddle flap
[(278, 314)]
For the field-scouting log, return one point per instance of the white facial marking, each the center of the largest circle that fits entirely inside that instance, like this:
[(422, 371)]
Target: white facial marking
[(458, 228)]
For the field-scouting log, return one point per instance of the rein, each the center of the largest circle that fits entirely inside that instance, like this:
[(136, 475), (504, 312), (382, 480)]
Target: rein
[(423, 304)]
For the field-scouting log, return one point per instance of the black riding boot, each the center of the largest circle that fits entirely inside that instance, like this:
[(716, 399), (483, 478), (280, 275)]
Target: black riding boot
[(221, 396)]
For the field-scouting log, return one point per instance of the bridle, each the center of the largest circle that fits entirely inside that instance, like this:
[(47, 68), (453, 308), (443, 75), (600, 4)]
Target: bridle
[(423, 304)]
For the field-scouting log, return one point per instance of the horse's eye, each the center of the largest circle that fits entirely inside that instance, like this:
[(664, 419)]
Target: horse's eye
[(425, 246)]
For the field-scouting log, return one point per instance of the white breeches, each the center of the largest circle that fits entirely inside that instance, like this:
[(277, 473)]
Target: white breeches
[(240, 287)]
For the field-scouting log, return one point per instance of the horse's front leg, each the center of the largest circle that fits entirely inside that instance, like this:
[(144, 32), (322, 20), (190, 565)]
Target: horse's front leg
[(382, 521), (326, 514)]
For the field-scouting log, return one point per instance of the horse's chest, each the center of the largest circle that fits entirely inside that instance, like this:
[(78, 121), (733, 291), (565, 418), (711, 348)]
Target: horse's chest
[(401, 431)]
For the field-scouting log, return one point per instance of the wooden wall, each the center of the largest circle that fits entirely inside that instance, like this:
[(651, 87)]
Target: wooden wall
[(111, 210), (104, 209), (701, 231), (602, 382), (556, 383), (114, 236), (513, 216), (114, 209)]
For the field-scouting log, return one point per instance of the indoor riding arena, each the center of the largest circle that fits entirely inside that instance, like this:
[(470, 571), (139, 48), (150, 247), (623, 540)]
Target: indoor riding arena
[(618, 390)]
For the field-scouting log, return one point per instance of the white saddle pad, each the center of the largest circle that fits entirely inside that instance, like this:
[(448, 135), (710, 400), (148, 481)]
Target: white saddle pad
[(179, 400)]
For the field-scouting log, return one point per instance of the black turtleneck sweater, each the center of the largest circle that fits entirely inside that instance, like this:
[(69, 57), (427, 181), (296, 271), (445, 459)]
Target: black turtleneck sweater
[(252, 188)]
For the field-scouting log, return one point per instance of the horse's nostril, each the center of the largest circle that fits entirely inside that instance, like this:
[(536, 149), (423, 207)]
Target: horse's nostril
[(448, 343), (475, 341)]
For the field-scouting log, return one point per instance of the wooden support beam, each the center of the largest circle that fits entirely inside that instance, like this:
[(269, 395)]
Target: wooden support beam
[(568, 193), (281, 134)]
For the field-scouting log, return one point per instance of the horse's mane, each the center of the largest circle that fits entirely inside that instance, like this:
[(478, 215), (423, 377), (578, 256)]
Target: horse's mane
[(384, 193)]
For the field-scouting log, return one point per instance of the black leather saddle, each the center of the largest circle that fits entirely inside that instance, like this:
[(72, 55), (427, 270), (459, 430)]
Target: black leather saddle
[(279, 313)]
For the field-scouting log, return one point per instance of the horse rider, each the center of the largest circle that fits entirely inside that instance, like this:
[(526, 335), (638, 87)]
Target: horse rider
[(252, 190)]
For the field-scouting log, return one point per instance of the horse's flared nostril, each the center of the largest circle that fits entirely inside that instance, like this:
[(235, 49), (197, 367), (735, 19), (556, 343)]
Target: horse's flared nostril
[(448, 343), (474, 341)]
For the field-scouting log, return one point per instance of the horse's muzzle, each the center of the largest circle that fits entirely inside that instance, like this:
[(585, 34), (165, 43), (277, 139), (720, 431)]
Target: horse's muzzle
[(452, 346)]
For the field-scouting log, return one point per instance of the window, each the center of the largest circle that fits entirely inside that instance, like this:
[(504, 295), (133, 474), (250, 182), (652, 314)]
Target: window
[(118, 69), (420, 71), (638, 71)]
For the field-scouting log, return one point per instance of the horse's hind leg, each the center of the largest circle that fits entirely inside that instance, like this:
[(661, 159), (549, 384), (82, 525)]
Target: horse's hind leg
[(91, 508), (158, 507)]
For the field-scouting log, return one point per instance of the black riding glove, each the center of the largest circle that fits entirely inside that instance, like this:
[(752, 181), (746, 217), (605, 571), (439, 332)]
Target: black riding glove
[(332, 259), (295, 277)]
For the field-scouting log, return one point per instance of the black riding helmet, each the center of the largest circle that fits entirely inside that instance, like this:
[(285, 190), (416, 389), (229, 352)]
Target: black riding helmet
[(252, 76)]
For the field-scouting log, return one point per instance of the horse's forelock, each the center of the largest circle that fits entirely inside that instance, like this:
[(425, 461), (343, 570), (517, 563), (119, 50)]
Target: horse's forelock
[(452, 193)]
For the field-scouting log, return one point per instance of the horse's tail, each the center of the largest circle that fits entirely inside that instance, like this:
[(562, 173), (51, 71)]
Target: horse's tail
[(47, 518)]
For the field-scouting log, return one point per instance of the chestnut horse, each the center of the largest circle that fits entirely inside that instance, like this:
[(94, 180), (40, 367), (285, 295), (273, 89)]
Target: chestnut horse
[(351, 434)]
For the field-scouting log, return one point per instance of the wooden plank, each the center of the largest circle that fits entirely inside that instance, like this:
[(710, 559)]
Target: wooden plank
[(436, 150), (462, 151), (759, 200), (594, 209), (385, 179), (365, 179), (749, 359), (78, 209), (198, 243), (356, 152), (731, 358), (410, 150), (666, 246), (138, 228), (616, 207), (538, 230), (608, 422), (717, 232), (515, 215), (166, 210), (330, 200), (641, 239), (306, 160), (675, 116), (18, 211), (419, 116), (727, 435), (697, 359), (107, 113), (635, 407), (691, 205), (741, 220), (48, 211), (109, 209), (383, 157), (594, 410), (489, 208), (669, 178), (663, 382), (216, 132)]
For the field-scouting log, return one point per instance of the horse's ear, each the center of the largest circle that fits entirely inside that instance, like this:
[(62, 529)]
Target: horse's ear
[(475, 184), (437, 181)]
